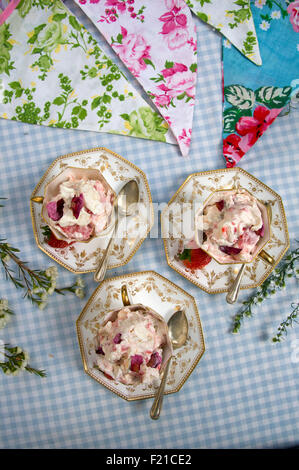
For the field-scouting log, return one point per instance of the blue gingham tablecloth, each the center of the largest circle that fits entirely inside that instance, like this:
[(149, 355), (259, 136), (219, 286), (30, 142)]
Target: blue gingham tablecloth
[(244, 391)]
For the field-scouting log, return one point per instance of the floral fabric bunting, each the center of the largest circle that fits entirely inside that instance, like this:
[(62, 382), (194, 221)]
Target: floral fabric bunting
[(255, 96), (156, 40), (39, 45), (233, 19)]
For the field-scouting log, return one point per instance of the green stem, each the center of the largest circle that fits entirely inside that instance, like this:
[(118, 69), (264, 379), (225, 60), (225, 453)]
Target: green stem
[(283, 11), (40, 373)]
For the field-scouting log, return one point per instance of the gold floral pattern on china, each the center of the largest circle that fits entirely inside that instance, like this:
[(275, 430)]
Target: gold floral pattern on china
[(216, 278), (156, 292), (82, 257)]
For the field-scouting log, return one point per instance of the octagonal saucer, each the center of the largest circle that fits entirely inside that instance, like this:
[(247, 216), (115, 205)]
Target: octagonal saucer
[(215, 277), (158, 293), (83, 257)]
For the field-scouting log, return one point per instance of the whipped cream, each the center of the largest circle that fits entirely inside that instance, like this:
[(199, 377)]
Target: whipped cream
[(83, 208), (233, 225), (129, 349)]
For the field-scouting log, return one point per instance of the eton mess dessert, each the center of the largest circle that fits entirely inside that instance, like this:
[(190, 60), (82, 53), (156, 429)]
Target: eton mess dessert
[(232, 225), (129, 347), (82, 208)]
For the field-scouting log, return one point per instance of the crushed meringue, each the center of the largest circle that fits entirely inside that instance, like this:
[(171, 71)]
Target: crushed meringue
[(82, 208), (129, 349)]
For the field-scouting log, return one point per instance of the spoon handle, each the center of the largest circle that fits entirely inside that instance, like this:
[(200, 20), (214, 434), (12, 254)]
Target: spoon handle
[(157, 405), (102, 266), (233, 292)]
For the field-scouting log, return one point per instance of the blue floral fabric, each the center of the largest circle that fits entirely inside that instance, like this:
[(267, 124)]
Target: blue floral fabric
[(254, 96)]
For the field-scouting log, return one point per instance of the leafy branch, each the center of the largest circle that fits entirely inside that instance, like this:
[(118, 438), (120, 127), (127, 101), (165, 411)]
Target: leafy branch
[(282, 329), (37, 284), (16, 360), (5, 313), (277, 280)]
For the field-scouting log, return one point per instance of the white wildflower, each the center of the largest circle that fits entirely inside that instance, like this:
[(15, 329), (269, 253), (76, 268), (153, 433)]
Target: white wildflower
[(227, 44), (80, 293), (52, 272), (51, 290), (44, 296), (3, 304), (80, 282), (4, 319), (260, 3), (275, 15), (25, 360), (42, 305), (6, 259), (27, 357), (36, 290)]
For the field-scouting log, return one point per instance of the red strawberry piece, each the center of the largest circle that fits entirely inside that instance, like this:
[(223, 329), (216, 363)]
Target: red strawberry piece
[(230, 250), (55, 243), (197, 259), (220, 205), (100, 351), (117, 338), (108, 376), (155, 360), (55, 209), (77, 204), (260, 231), (136, 362)]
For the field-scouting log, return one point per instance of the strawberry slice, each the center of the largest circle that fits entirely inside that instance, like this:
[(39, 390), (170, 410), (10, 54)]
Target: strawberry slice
[(108, 376), (220, 205), (195, 259), (230, 250)]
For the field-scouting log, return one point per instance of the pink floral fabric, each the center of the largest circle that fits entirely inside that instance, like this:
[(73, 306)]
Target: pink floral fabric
[(293, 10), (156, 40)]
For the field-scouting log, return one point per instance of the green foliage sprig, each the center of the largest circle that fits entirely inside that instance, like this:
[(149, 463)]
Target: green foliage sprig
[(13, 360), (16, 360), (276, 281), (37, 284), (282, 329), (5, 313)]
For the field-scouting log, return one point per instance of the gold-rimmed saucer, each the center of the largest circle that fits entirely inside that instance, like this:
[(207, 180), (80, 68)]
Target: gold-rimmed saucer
[(83, 257), (216, 278), (158, 293)]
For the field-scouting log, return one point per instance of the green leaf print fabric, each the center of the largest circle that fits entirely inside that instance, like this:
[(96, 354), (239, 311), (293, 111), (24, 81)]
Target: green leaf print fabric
[(233, 19), (53, 73)]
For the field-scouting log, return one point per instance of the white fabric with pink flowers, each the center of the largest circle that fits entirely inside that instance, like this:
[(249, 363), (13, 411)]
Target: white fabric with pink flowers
[(156, 40)]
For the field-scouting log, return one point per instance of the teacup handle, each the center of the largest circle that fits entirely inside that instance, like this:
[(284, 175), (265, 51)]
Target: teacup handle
[(125, 295), (38, 199), (266, 257)]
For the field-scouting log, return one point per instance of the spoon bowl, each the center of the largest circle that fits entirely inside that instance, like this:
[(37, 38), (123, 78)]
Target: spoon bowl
[(127, 198), (178, 329)]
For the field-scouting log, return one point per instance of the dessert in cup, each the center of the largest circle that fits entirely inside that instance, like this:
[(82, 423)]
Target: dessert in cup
[(78, 205), (233, 227), (132, 345)]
